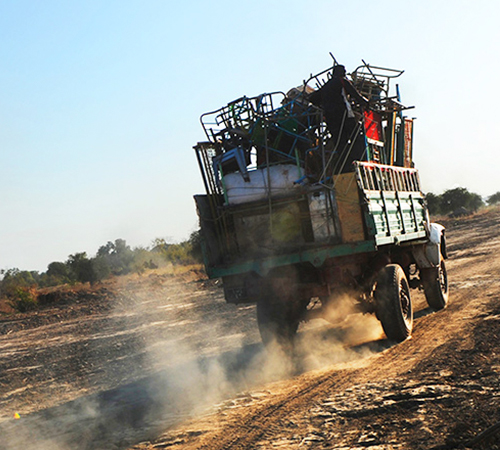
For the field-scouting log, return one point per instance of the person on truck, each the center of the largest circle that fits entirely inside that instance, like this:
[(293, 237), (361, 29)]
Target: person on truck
[(334, 99)]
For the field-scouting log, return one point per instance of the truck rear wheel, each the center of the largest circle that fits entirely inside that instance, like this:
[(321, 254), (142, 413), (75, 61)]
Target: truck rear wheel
[(435, 283), (394, 307), (279, 314), (277, 326)]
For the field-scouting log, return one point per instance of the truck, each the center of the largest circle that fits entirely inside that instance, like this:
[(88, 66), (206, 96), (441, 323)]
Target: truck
[(298, 213)]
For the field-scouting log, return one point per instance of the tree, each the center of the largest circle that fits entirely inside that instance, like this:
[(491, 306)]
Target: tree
[(454, 199), (100, 268), (106, 250), (82, 268), (118, 256), (433, 203), (160, 246), (195, 240), (58, 269), (475, 202), (493, 199), (181, 253), (57, 273)]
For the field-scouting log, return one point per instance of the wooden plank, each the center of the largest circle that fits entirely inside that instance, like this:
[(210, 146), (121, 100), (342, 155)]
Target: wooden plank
[(349, 207)]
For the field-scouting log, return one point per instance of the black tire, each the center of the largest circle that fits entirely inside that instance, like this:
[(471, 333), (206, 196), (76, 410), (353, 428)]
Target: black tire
[(394, 307), (276, 326), (435, 284), (279, 314)]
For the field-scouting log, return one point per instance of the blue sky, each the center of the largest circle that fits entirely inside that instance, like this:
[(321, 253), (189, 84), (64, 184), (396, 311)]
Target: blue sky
[(100, 102)]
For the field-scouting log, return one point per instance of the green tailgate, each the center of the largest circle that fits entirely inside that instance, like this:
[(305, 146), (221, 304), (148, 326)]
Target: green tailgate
[(394, 206)]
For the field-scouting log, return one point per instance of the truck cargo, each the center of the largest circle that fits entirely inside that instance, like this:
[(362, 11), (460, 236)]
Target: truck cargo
[(312, 194)]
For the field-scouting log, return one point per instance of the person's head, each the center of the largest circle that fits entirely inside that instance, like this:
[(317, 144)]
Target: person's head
[(339, 71)]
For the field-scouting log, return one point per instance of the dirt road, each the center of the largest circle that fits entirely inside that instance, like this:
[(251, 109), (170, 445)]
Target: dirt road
[(163, 362)]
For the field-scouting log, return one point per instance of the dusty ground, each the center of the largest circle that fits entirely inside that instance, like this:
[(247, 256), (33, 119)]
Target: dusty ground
[(161, 361)]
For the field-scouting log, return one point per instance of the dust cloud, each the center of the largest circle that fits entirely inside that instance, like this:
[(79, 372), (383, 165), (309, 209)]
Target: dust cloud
[(343, 335), (195, 351)]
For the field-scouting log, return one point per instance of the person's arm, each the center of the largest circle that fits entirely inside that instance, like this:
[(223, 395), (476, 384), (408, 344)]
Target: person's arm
[(352, 91)]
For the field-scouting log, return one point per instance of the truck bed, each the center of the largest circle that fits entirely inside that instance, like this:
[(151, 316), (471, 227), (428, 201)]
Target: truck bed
[(361, 211)]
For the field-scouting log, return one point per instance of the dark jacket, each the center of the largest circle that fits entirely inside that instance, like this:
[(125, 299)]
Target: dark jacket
[(329, 96)]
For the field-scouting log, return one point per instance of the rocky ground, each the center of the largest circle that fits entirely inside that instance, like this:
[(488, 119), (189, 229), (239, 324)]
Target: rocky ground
[(160, 361)]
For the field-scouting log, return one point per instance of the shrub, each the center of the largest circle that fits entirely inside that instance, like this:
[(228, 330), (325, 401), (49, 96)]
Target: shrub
[(14, 279), (23, 300)]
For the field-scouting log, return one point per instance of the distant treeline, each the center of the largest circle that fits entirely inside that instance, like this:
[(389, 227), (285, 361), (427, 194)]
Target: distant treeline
[(458, 201), (112, 259), (117, 258)]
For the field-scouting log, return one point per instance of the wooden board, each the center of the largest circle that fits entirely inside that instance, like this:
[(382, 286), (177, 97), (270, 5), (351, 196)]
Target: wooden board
[(349, 208)]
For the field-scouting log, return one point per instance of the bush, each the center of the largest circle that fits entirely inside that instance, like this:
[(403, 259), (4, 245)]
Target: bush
[(174, 253), (15, 279), (144, 259), (23, 300)]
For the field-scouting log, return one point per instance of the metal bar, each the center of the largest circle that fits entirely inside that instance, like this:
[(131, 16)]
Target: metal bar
[(202, 169), (386, 213), (389, 240), (400, 209), (414, 211), (317, 257)]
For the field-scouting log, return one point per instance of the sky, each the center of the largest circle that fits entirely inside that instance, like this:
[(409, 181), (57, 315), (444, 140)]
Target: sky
[(100, 102)]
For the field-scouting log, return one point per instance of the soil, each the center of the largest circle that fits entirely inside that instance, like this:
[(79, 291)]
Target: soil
[(160, 361)]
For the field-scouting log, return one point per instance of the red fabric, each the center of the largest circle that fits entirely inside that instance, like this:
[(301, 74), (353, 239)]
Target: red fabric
[(373, 125)]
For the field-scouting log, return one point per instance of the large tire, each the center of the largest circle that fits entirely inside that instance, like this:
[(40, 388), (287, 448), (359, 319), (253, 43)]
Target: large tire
[(279, 314), (276, 324), (393, 302), (435, 284)]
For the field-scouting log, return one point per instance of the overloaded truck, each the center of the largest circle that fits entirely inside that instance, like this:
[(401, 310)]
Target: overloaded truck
[(304, 205)]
